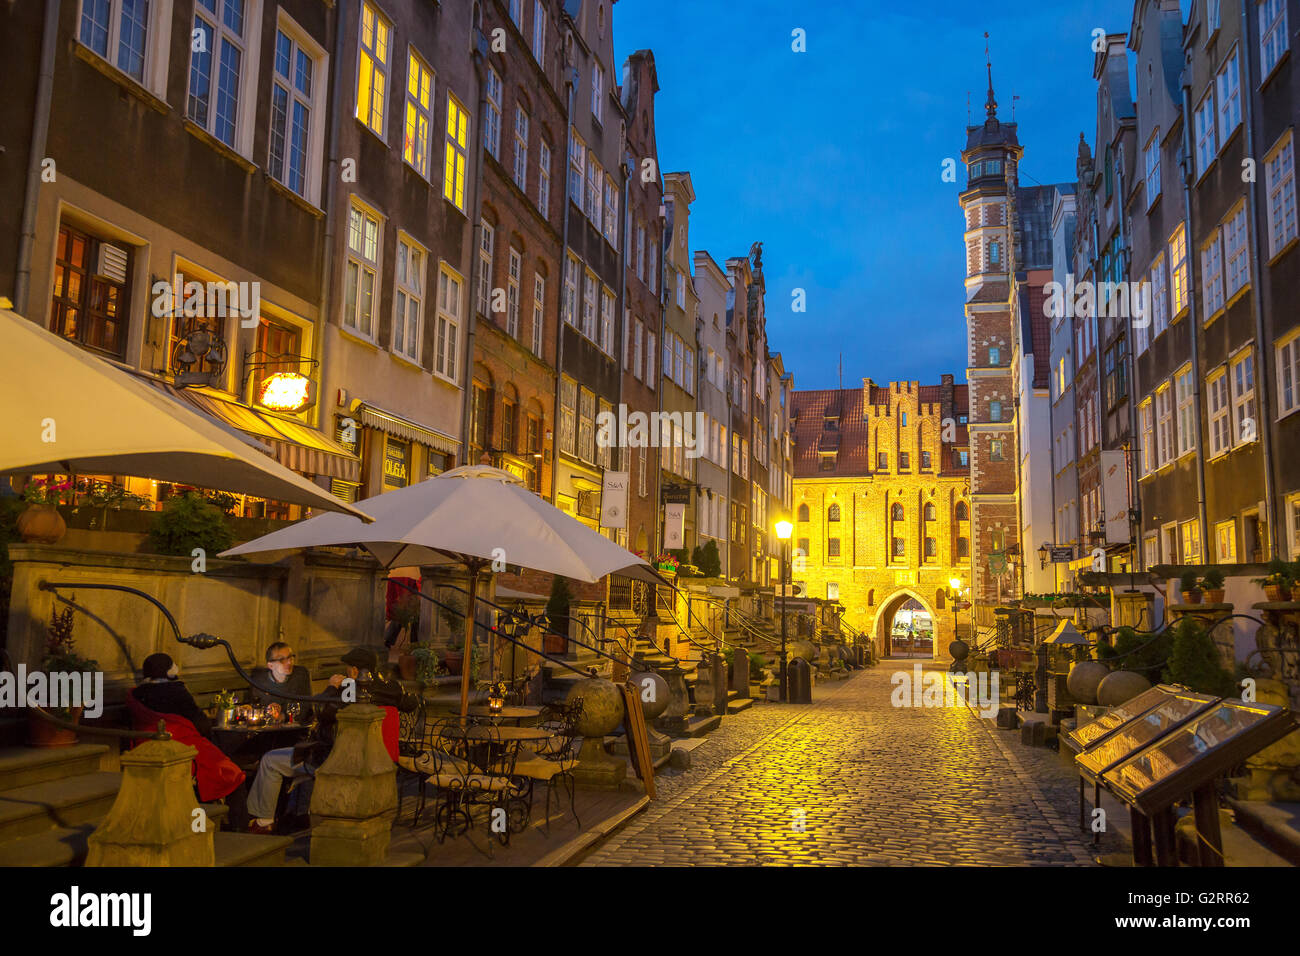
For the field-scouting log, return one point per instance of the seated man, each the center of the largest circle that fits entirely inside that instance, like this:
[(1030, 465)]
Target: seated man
[(280, 674), (289, 762)]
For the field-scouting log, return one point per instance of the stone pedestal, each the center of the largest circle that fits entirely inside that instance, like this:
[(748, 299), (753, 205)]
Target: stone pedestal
[(652, 690), (719, 667), (602, 711), (1132, 609), (740, 673), (354, 799), (673, 719), (152, 822), (705, 693), (1271, 773)]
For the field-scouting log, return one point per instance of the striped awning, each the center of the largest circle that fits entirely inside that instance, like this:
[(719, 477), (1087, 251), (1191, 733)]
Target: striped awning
[(401, 427)]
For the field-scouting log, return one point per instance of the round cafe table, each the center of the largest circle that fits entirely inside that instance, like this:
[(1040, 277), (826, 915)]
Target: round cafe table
[(513, 713), (500, 733)]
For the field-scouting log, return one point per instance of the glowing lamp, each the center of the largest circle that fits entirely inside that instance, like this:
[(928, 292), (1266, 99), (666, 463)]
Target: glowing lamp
[(784, 530), (496, 698), (955, 583), (286, 392)]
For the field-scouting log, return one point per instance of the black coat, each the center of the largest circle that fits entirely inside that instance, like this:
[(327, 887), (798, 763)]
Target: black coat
[(173, 697)]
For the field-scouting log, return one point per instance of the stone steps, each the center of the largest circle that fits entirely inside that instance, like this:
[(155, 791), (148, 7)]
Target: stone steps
[(27, 766), (738, 705), (36, 808), (249, 849)]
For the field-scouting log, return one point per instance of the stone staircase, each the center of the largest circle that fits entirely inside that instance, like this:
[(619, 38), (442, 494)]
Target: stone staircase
[(52, 799)]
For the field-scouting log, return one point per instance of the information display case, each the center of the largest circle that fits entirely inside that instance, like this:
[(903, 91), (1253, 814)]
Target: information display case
[(1135, 733), (1084, 737)]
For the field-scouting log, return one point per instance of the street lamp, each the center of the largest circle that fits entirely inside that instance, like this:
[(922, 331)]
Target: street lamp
[(783, 531), (955, 596), (1044, 552)]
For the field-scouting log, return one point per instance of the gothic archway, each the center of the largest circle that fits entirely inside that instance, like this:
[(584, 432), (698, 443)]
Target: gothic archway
[(906, 625)]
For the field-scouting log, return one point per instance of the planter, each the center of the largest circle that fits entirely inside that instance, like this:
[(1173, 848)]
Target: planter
[(406, 666), (1275, 592), (42, 733), (453, 660), (41, 524), (1191, 597), (226, 717), (1215, 597)]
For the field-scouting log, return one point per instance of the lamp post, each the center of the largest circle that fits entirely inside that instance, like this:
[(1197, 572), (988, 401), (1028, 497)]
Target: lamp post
[(955, 596), (783, 531)]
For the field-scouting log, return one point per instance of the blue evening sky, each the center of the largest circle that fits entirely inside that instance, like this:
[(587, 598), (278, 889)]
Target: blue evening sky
[(833, 157)]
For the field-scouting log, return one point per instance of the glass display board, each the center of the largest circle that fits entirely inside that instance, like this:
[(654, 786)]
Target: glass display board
[(1137, 732), (1084, 737)]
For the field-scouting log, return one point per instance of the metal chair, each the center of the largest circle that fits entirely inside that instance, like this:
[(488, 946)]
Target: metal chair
[(553, 760)]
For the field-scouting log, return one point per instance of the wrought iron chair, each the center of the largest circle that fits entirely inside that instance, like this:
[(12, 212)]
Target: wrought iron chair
[(553, 760)]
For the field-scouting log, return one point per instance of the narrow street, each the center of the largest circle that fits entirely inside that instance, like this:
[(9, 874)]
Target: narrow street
[(851, 779)]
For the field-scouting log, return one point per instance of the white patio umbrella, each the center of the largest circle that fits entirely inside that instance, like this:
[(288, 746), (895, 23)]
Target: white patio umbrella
[(472, 516), (105, 420)]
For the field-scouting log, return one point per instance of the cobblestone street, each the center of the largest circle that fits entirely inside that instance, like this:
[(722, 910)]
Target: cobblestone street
[(867, 782)]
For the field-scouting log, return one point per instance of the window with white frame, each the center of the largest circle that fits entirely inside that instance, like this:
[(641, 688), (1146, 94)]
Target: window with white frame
[(486, 244), (1159, 297), (521, 149), (1273, 38), (650, 359), (669, 369), (1228, 82), (606, 321), (450, 296), (1225, 542), (1212, 275), (362, 273), (589, 296), (295, 139), (1191, 533), (638, 333), (1288, 373), (517, 12), (1148, 438), (373, 65), (539, 31), (121, 32), (1212, 15), (457, 153), (597, 92), (1279, 179), (218, 54), (492, 113), (595, 181), (577, 166), (1186, 410), (418, 125), (681, 290), (1206, 142), (1178, 269), (1241, 370), (408, 300), (1237, 262), (514, 275), (1151, 550), (688, 382), (569, 308), (1220, 419), (539, 312), (568, 416), (586, 425), (1152, 157), (1164, 425), (640, 251), (544, 179), (652, 267)]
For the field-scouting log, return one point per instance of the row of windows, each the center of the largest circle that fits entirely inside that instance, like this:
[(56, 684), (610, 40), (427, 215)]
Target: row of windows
[(898, 548), (597, 303), (897, 512)]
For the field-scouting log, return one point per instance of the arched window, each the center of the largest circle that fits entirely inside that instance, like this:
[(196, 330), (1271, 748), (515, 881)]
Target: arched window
[(833, 513), (896, 513), (938, 600), (930, 513), (871, 598), (803, 512), (963, 549), (963, 514)]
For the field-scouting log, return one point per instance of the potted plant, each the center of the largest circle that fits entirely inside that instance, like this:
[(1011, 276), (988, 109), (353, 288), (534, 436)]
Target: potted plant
[(61, 657), (556, 640), (1190, 586), (41, 521), (426, 663), (666, 561), (1277, 583), (224, 702), (188, 521), (1212, 585)]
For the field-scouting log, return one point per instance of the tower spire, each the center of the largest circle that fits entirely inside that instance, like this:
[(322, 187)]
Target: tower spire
[(990, 107)]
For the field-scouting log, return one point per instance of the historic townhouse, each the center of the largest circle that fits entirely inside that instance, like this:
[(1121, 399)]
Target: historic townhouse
[(193, 254), (762, 533), (740, 400), (516, 269), (404, 181), (780, 385), (713, 468), (882, 506), (678, 368), (642, 306)]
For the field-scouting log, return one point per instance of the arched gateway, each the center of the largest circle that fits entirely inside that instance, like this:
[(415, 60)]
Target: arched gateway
[(905, 626)]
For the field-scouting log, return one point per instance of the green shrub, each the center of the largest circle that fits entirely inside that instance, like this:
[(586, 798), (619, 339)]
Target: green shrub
[(706, 559), (1154, 653), (188, 522), (1194, 661), (1213, 580), (1189, 582)]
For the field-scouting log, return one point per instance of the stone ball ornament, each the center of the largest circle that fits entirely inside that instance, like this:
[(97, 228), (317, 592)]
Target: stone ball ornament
[(602, 706), (804, 649), (1119, 687), (652, 690), (959, 649), (1084, 678)]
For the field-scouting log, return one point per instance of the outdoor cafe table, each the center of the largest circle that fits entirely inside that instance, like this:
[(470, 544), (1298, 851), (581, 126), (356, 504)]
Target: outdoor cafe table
[(246, 743), (494, 736), (514, 713)]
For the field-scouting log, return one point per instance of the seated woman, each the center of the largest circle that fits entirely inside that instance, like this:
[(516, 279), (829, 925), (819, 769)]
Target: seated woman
[(163, 692)]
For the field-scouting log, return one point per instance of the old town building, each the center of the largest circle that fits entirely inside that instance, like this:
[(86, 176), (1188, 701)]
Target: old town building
[(678, 370), (881, 506), (712, 468)]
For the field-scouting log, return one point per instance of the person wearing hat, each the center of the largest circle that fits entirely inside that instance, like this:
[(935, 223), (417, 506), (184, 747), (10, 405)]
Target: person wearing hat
[(163, 692)]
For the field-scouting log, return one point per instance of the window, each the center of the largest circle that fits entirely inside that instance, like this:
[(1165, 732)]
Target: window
[(652, 276), (419, 115), (453, 182), (275, 340), (492, 113), (1234, 249), (832, 547), (587, 425), (1273, 37), (1206, 143), (90, 299), (1212, 15), (595, 179), (902, 419), (995, 449), (962, 512), (1178, 269), (638, 334), (408, 300), (963, 459), (1116, 375), (904, 461), (589, 294), (1288, 374), (1164, 425), (1191, 534), (568, 415), (995, 253), (896, 512), (539, 312), (1242, 373), (1220, 426), (372, 68), (397, 462), (606, 321), (486, 243), (122, 26), (833, 513), (539, 31), (480, 418), (1229, 87), (931, 513), (925, 461), (1159, 297), (670, 369), (1293, 522), (1225, 541), (1148, 438), (1152, 157), (521, 149), (1212, 276), (544, 179), (995, 411), (450, 287), (963, 548), (1186, 410), (569, 307), (513, 276), (604, 450), (931, 549), (577, 166), (650, 359), (1279, 177), (362, 271), (802, 514), (681, 290), (899, 549), (610, 229), (220, 25), (597, 92)]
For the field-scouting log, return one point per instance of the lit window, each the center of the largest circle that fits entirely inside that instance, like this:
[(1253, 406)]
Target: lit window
[(1225, 539), (1288, 373), (372, 68), (568, 415), (1279, 177), (1178, 269), (419, 115), (457, 155), (1191, 534)]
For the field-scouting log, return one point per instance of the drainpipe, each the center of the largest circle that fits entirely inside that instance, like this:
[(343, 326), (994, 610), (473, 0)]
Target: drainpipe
[(1130, 371), (564, 268), (331, 209), (40, 133), (1262, 365), (1188, 175), (478, 56)]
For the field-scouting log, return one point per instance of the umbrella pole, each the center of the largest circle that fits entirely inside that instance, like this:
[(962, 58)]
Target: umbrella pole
[(468, 656)]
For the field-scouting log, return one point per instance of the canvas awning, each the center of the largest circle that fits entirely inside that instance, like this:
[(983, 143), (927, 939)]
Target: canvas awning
[(393, 424)]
